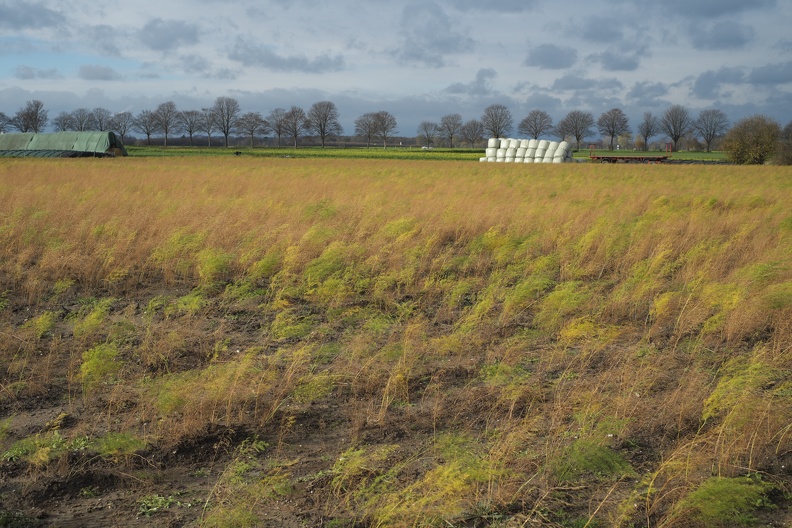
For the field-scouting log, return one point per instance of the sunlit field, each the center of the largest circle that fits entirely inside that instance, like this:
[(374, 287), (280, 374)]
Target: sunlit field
[(249, 341)]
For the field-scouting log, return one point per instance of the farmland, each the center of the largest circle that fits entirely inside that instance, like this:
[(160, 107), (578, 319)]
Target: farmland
[(249, 341)]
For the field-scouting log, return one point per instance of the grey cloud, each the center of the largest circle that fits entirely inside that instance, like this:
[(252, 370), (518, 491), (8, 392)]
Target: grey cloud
[(507, 6), (601, 29), (709, 8), (428, 35), (26, 73), (103, 38), (551, 57), (577, 83), (480, 86), (771, 74), (647, 94), (99, 73), (24, 15), (722, 36), (615, 61), (784, 46), (167, 35), (252, 55), (708, 85)]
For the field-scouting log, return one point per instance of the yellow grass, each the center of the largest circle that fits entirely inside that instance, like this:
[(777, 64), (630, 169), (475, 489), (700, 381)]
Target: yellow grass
[(604, 335)]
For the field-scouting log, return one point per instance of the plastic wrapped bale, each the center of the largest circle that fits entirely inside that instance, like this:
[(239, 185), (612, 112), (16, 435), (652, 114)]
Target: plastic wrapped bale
[(525, 143), (484, 159), (562, 151), (504, 143), (540, 150), (514, 143), (511, 152), (493, 143), (501, 154), (550, 152), (533, 143), (491, 152), (530, 154), (520, 155)]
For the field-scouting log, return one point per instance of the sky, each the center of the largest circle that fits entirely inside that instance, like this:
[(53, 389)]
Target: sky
[(418, 60)]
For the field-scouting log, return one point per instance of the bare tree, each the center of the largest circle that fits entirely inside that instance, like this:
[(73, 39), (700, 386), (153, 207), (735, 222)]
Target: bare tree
[(252, 123), (63, 122), (102, 117), (82, 120), (497, 120), (225, 112), (322, 119), (4, 122), (365, 127), (576, 124), (535, 124), (450, 126), (427, 131), (146, 122), (30, 118), (190, 122), (612, 124), (384, 126), (276, 120), (649, 127), (294, 123), (676, 122), (472, 132), (122, 122), (207, 123), (167, 117), (710, 125)]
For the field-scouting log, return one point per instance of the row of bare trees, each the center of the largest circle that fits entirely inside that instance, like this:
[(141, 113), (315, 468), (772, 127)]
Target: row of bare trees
[(322, 120), (676, 122)]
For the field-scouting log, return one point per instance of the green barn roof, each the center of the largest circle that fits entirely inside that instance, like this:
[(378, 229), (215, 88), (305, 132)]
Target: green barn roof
[(61, 144)]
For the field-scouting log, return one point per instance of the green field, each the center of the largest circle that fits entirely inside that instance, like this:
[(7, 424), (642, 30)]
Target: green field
[(375, 152)]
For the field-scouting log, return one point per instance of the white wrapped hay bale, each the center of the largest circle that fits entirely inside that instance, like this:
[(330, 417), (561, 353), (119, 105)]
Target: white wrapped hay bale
[(484, 159), (524, 143), (491, 152), (504, 143), (493, 143), (550, 152), (530, 154), (500, 153), (520, 153), (533, 143)]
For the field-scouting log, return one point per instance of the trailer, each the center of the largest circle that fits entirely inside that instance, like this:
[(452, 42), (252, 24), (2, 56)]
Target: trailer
[(634, 158)]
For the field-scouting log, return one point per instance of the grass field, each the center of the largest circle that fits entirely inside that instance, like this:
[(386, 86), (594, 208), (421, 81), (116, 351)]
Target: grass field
[(376, 152), (369, 342)]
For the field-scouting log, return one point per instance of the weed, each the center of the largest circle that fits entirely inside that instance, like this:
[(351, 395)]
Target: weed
[(722, 502), (100, 365)]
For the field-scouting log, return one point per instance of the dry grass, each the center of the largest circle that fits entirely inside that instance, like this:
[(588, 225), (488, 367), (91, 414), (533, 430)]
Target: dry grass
[(557, 344)]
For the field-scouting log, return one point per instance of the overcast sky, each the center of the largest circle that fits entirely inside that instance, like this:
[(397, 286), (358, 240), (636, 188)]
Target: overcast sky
[(418, 60)]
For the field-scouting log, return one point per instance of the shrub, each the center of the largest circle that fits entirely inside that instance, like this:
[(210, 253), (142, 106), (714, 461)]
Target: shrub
[(723, 502), (752, 141)]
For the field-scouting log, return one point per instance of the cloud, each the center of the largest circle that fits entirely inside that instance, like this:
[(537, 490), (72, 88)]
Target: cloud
[(709, 84), (250, 54), (616, 61), (25, 15), (647, 94), (27, 73), (722, 36), (709, 8), (167, 35), (551, 57), (504, 6), (428, 34), (99, 73), (480, 86), (772, 74), (575, 82), (600, 29), (103, 39)]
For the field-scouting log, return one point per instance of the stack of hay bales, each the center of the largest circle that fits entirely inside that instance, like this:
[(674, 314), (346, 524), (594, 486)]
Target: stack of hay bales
[(509, 150)]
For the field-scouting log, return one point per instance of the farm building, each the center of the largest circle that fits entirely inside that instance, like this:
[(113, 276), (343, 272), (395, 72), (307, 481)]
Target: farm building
[(61, 145)]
